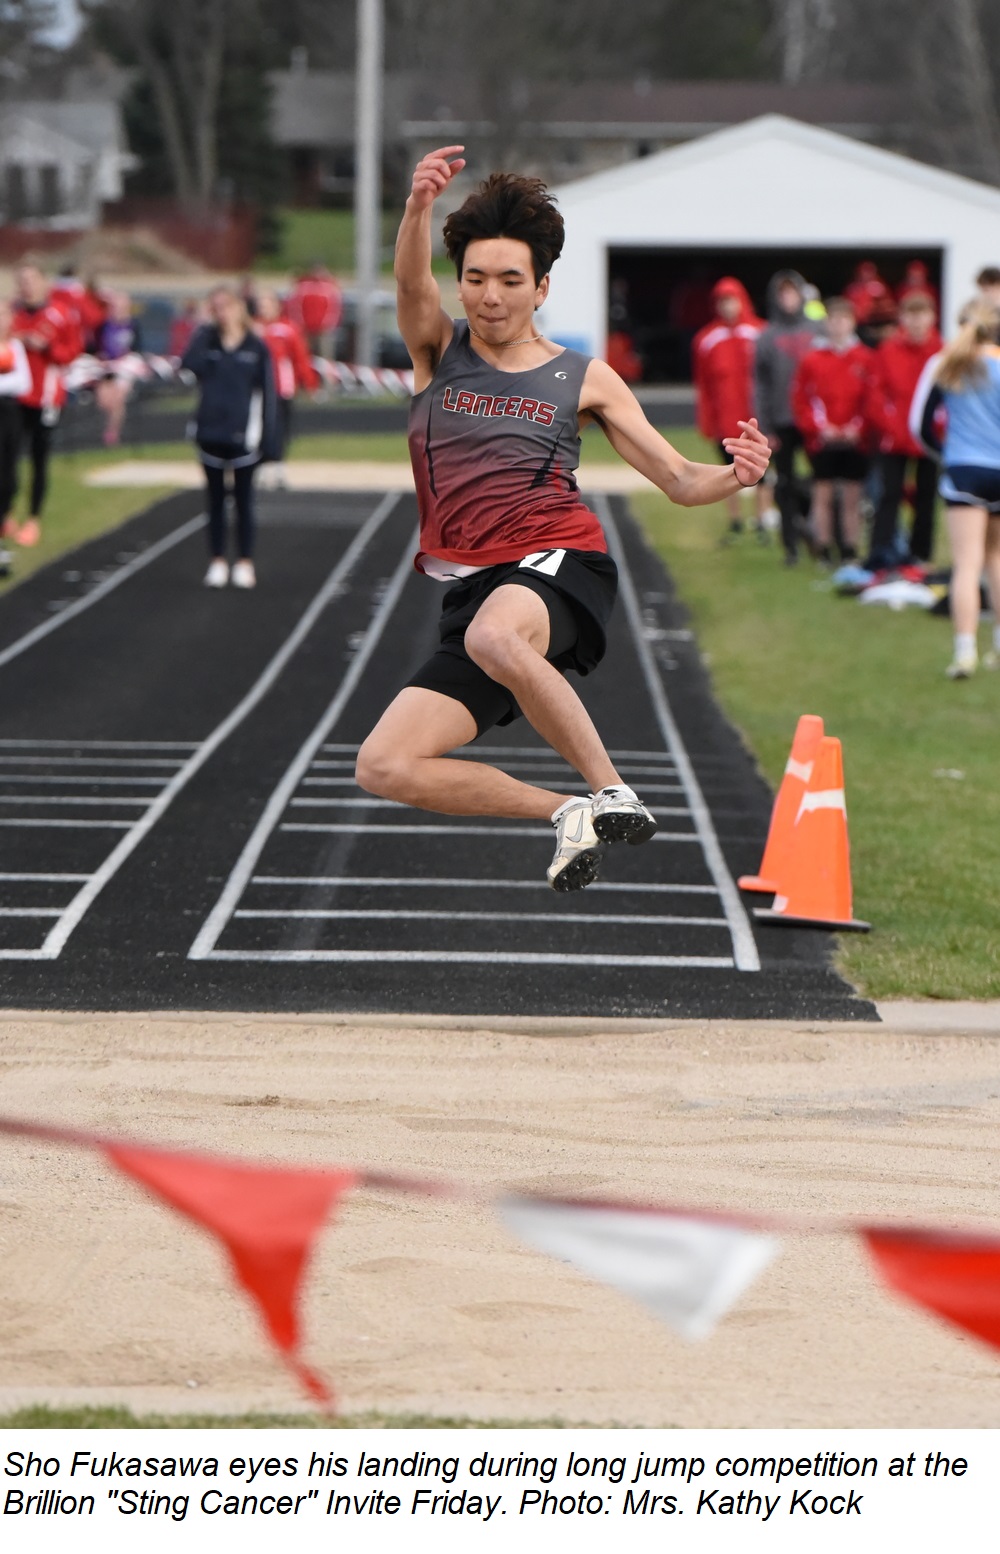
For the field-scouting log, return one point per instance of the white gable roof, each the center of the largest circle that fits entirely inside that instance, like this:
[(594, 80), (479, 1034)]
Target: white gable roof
[(769, 183), (774, 130)]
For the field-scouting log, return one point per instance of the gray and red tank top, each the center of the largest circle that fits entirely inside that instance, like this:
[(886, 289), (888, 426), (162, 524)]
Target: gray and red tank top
[(495, 456)]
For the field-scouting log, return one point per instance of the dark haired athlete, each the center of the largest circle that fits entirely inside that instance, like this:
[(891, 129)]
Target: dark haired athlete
[(494, 440)]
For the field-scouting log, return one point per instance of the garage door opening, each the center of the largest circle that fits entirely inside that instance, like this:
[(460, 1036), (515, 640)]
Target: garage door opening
[(661, 296)]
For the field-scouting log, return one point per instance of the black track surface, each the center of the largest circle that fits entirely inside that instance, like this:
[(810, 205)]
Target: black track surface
[(159, 659)]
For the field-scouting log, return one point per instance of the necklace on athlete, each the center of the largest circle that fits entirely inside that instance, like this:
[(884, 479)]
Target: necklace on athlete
[(498, 345)]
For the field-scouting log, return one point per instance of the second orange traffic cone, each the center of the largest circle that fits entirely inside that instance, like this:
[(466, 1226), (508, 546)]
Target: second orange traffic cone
[(815, 889), (798, 771)]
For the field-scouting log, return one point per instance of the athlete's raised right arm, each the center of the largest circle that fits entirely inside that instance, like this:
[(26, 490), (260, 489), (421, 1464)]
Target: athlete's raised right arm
[(423, 323)]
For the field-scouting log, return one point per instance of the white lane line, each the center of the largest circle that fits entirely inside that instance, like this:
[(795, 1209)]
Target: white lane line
[(88, 760), (215, 922), (540, 752), (52, 879), (438, 830), (651, 920), (98, 744), (84, 899), (475, 957), (744, 946), (430, 883), (84, 782), (551, 770), (349, 782), (30, 911), (103, 589), (71, 825), (70, 798), (343, 803)]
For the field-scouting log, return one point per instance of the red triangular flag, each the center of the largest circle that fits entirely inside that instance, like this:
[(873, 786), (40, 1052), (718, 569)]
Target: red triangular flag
[(266, 1217), (956, 1275)]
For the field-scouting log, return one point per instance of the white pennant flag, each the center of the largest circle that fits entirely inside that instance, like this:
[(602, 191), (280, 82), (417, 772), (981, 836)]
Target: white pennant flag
[(687, 1271)]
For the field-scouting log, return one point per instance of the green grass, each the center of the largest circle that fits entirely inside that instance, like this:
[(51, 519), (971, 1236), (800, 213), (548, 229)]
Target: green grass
[(328, 235), (42, 1417), (924, 848), (74, 513)]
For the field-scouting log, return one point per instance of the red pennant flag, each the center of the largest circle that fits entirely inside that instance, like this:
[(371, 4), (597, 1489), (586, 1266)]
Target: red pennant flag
[(958, 1276), (267, 1218)]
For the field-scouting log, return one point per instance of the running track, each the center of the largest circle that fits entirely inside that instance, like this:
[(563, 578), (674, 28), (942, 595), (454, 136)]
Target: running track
[(179, 826)]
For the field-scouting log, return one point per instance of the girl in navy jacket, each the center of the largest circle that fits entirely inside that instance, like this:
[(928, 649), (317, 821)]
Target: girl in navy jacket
[(235, 426)]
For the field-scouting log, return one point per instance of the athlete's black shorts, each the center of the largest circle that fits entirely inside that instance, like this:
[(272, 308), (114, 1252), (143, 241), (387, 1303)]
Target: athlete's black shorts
[(578, 588), (971, 485), (839, 461)]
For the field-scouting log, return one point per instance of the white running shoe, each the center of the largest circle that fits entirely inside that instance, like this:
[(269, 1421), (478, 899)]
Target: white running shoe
[(962, 667), (243, 575), (577, 859), (217, 575), (619, 817)]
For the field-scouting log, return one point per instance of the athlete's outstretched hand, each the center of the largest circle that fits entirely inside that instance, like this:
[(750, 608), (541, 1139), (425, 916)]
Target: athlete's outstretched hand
[(434, 172), (751, 452)]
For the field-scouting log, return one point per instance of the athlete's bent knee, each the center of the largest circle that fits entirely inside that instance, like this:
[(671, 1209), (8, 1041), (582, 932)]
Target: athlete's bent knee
[(495, 649), (378, 771)]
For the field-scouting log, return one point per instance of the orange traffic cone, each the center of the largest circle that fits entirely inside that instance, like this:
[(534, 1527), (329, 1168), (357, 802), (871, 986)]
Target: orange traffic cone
[(798, 770), (815, 890)]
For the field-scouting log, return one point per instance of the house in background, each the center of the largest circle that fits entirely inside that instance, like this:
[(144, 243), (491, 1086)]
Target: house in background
[(60, 162), (557, 130), (747, 201)]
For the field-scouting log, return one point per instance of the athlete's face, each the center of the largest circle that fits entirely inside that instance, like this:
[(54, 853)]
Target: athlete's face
[(498, 289)]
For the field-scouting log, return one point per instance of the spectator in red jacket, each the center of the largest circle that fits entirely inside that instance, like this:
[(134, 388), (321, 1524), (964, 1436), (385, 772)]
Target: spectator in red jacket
[(865, 290), (293, 370), (829, 402), (895, 372), (722, 361), (315, 306), (916, 278), (51, 339)]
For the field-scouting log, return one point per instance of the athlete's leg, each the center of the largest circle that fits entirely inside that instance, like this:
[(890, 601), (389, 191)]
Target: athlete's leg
[(215, 481), (243, 500), (993, 566), (850, 517), (967, 529), (402, 759), (508, 639), (967, 532), (822, 513)]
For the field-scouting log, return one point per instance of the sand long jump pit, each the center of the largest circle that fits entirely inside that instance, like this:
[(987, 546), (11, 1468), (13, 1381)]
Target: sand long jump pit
[(430, 1306)]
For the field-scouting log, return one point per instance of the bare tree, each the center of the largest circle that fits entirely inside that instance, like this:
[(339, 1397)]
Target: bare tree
[(180, 48)]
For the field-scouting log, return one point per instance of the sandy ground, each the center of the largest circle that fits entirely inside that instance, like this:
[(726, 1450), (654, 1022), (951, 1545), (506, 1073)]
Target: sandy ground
[(426, 1305), (334, 475)]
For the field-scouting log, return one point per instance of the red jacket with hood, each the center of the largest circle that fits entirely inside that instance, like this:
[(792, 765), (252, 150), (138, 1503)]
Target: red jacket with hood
[(51, 324), (293, 368), (722, 365), (895, 371), (831, 390)]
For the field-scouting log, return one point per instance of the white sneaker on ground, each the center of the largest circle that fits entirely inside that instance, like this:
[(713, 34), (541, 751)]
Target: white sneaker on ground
[(217, 575), (962, 667), (619, 816), (243, 575), (577, 859)]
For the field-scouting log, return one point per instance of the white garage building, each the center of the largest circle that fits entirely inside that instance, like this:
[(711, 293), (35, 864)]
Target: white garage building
[(772, 191)]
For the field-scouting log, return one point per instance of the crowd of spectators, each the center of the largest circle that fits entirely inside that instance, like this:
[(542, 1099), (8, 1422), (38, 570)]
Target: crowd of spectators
[(51, 327), (834, 387)]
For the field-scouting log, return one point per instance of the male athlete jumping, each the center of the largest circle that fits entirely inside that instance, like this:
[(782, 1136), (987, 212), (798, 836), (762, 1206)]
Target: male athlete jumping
[(494, 439)]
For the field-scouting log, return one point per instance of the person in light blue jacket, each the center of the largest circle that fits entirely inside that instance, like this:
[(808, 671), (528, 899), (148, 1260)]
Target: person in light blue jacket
[(961, 386)]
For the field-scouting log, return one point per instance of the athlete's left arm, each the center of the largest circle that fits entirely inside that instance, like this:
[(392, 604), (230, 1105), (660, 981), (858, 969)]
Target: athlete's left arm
[(608, 401)]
